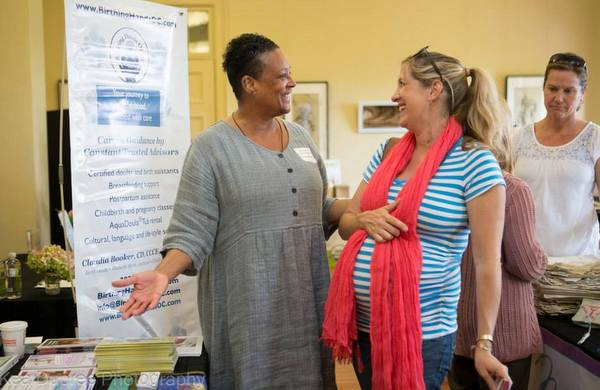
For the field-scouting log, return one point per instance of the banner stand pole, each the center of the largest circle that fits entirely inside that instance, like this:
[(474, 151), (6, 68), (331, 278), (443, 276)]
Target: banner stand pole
[(61, 174)]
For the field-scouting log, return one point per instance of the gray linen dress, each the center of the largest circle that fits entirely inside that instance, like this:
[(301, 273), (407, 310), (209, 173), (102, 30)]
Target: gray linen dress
[(251, 220)]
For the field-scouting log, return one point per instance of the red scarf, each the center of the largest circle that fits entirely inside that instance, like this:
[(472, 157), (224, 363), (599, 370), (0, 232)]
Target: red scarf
[(395, 272)]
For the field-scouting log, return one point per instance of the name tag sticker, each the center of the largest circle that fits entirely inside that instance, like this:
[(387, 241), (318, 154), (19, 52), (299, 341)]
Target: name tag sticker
[(305, 154)]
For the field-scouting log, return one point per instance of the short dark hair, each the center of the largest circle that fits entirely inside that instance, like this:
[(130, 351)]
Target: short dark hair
[(568, 61), (241, 58)]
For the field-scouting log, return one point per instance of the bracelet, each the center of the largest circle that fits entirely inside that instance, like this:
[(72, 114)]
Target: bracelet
[(487, 337), (482, 347)]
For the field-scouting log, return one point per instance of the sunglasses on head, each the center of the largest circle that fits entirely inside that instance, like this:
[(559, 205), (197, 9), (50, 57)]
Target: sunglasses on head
[(567, 59), (424, 53)]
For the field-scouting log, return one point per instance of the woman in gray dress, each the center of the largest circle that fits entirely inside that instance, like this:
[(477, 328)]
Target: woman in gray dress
[(249, 217)]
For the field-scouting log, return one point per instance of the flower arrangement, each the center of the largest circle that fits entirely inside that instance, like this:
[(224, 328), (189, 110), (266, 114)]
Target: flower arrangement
[(50, 259)]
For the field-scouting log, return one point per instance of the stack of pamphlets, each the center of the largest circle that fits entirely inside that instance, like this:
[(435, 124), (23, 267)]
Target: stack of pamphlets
[(18, 382), (71, 360), (116, 357), (188, 345), (57, 367), (68, 345), (73, 371), (65, 364), (6, 363), (566, 282)]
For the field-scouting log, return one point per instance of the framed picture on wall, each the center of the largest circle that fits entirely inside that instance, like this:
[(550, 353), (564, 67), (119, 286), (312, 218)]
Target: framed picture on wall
[(310, 110), (378, 116), (525, 98)]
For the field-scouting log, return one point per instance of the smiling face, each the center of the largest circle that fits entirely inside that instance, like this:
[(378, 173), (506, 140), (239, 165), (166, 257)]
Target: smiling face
[(274, 86), (412, 98), (562, 93)]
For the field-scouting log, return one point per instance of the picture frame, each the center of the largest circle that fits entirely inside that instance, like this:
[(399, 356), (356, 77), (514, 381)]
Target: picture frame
[(310, 109), (379, 116), (525, 98)]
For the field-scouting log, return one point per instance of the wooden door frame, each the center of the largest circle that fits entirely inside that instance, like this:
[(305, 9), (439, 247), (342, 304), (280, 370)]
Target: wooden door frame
[(217, 44)]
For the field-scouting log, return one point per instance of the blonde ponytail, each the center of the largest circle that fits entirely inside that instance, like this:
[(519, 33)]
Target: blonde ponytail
[(485, 117)]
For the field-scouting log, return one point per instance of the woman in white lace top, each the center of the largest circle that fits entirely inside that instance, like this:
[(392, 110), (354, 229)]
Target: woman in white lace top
[(558, 158)]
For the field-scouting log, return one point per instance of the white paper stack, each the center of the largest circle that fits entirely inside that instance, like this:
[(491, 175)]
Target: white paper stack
[(566, 282), (188, 345), (6, 363)]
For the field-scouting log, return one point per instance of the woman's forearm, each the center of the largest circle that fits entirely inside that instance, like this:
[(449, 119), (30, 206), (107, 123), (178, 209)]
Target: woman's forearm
[(336, 211), (486, 219), (488, 276), (348, 224), (174, 263)]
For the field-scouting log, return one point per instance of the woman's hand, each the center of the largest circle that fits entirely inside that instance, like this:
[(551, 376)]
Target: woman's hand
[(489, 368), (380, 224), (148, 287)]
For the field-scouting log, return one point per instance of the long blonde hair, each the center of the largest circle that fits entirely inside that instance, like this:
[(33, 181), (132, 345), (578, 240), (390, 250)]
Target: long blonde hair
[(503, 149), (476, 105)]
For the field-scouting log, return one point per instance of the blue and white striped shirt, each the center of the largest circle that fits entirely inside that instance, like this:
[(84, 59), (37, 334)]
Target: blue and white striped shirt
[(443, 229)]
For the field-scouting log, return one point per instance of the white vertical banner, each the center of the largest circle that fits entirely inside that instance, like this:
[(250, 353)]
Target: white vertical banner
[(129, 124)]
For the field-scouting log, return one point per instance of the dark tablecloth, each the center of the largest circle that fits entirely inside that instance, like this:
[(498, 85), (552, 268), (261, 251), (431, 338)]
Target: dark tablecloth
[(50, 316), (565, 329)]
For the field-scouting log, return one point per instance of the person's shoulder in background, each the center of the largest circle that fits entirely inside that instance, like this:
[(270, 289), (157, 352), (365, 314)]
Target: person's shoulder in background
[(515, 183), (518, 194)]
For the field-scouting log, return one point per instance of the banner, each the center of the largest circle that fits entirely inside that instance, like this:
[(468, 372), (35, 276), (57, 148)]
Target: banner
[(129, 124)]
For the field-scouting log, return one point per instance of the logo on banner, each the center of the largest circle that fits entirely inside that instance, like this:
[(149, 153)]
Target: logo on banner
[(129, 55)]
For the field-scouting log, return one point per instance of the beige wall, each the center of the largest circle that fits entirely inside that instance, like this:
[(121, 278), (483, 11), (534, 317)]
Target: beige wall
[(23, 168), (592, 104), (54, 41), (355, 45)]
